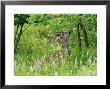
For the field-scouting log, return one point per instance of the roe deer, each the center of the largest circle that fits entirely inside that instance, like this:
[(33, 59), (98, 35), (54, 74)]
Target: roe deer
[(65, 41)]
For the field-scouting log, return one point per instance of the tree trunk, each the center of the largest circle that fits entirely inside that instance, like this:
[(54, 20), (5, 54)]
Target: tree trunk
[(85, 38), (84, 31), (16, 34), (18, 39), (78, 35), (85, 35)]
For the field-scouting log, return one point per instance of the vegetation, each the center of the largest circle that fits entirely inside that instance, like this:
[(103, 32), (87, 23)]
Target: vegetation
[(38, 49)]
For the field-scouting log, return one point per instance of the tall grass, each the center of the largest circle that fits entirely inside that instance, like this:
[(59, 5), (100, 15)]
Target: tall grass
[(34, 45)]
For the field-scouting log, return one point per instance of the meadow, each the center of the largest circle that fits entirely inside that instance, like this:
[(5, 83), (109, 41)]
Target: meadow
[(38, 51)]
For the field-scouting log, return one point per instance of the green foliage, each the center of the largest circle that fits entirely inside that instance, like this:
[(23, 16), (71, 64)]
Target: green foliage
[(21, 19), (40, 39)]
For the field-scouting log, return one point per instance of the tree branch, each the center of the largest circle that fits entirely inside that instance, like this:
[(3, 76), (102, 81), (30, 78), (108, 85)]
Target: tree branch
[(28, 26)]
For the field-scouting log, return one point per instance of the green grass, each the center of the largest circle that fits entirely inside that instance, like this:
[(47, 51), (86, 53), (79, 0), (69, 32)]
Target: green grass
[(34, 45)]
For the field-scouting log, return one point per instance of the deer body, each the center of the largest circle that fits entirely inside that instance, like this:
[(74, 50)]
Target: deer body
[(64, 40)]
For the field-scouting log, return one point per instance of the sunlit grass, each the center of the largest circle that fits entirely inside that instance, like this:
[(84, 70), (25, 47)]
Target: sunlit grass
[(34, 45)]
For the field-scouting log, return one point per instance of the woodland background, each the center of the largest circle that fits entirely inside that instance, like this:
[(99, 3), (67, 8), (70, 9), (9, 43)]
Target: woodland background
[(34, 38)]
